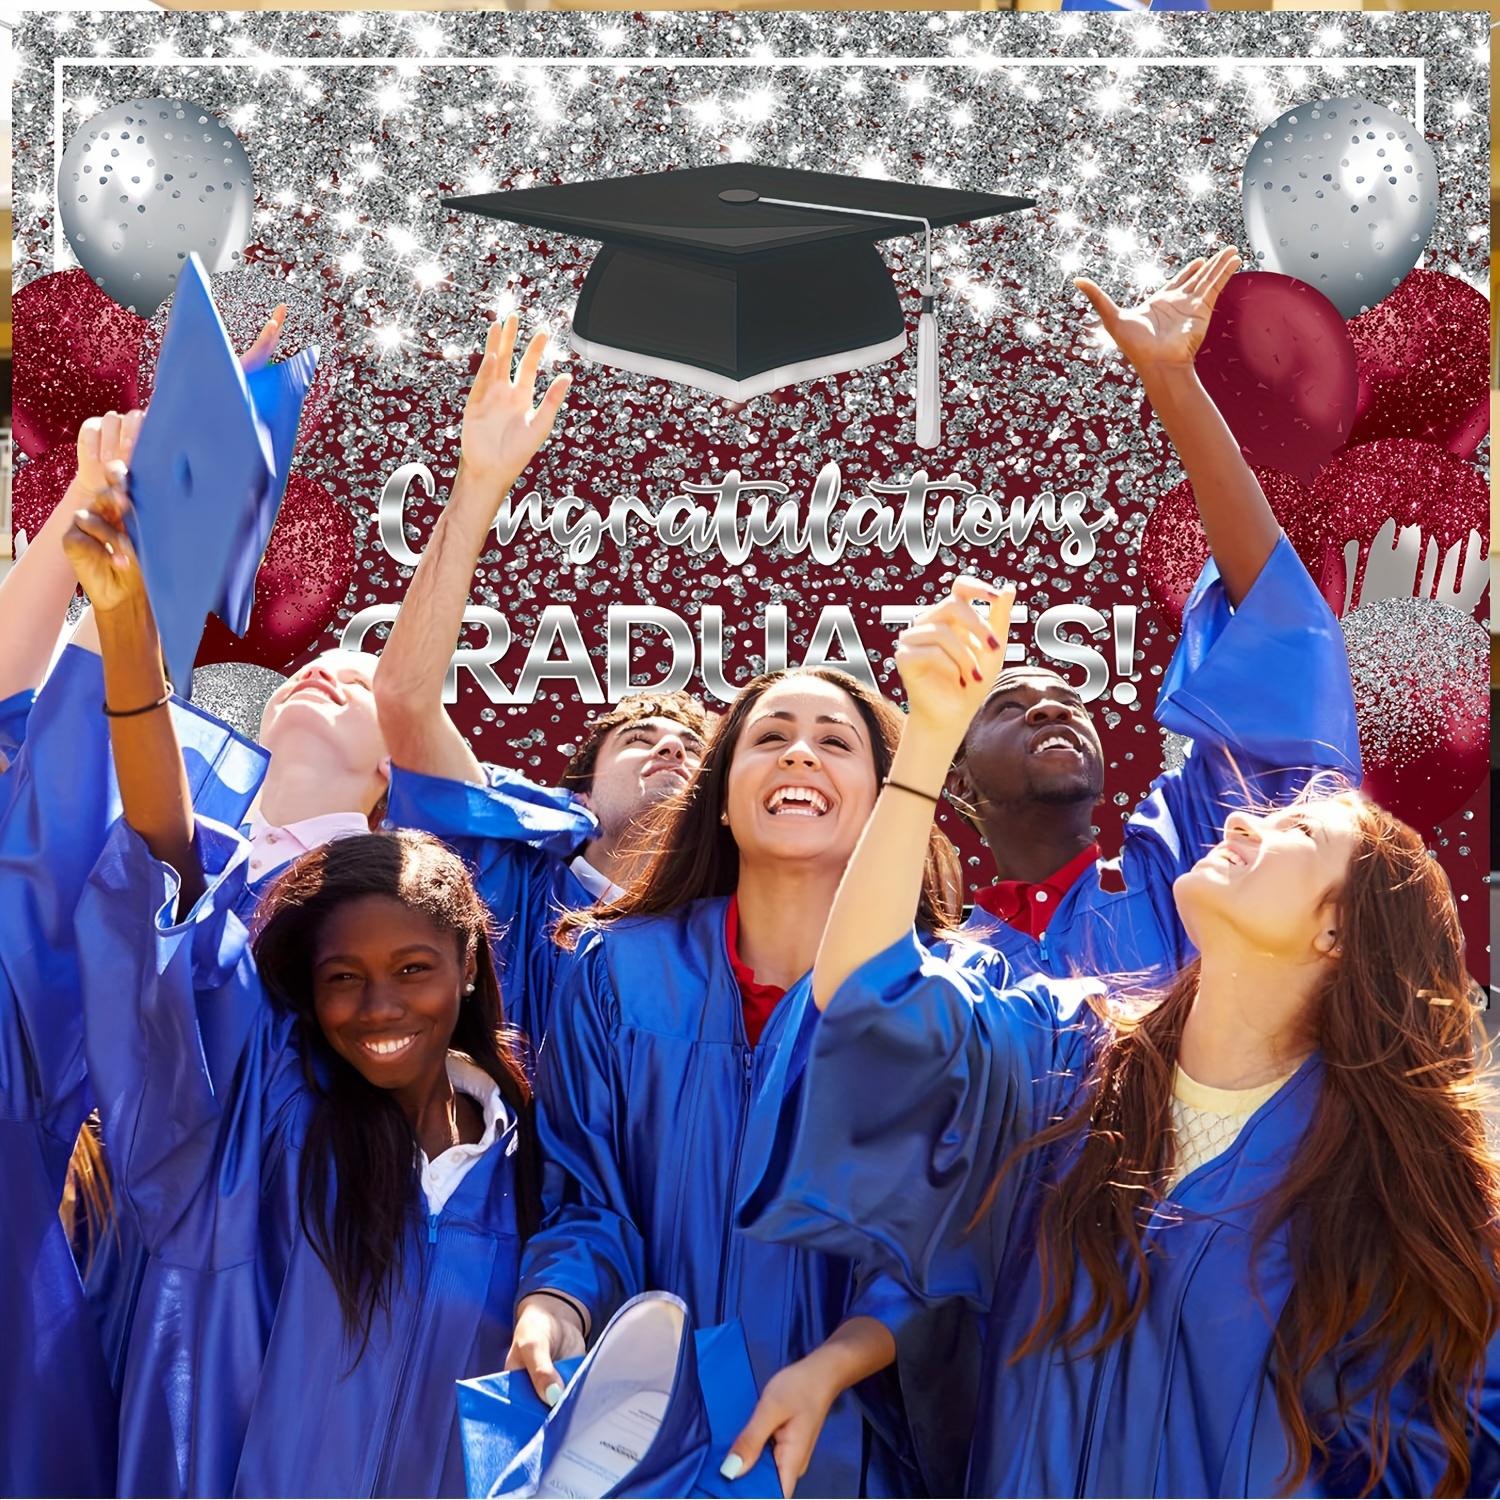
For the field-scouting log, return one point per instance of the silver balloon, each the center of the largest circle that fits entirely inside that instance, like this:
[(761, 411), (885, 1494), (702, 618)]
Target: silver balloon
[(145, 184), (237, 692), (1341, 194)]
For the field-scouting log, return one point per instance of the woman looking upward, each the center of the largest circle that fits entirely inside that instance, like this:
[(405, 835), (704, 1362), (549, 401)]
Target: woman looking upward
[(674, 1013), (1301, 1298)]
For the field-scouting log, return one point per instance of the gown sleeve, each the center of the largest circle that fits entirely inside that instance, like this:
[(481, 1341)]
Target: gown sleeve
[(507, 812), (516, 836), (203, 1162), (58, 800), (56, 805), (1264, 694), (921, 1407), (15, 711), (188, 1146), (921, 1081), (1267, 682), (589, 1247)]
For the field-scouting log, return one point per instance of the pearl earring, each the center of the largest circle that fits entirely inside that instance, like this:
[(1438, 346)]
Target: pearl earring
[(469, 988)]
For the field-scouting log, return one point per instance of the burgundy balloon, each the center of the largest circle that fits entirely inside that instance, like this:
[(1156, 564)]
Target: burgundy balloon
[(77, 355), (38, 486), (1394, 479), (304, 576), (1424, 364), (1433, 785), (1174, 548), (1280, 367)]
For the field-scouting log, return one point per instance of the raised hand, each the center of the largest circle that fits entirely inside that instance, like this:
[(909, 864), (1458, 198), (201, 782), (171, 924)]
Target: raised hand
[(99, 549), (502, 430), (102, 443), (949, 655), (1169, 326), (260, 352)]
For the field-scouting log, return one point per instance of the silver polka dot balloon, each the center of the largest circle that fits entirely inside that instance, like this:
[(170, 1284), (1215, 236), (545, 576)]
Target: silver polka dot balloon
[(1341, 194), (145, 184)]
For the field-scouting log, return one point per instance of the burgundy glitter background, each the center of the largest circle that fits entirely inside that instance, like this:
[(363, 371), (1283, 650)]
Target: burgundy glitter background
[(1134, 162)]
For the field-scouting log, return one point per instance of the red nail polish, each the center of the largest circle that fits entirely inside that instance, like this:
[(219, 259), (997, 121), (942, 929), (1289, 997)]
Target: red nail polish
[(994, 644)]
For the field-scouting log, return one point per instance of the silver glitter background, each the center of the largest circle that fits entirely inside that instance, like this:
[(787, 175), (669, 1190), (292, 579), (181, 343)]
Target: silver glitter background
[(356, 124), (237, 692), (1418, 667), (1134, 163)]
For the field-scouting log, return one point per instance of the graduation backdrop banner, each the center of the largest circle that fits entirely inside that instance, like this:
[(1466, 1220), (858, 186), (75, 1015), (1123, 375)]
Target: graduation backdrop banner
[(710, 504)]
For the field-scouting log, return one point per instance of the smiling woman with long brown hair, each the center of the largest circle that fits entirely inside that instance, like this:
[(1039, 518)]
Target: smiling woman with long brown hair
[(683, 996), (1241, 1238)]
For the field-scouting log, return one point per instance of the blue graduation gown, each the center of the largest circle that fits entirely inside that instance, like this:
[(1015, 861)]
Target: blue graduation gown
[(1263, 692), (57, 1408), (57, 1414), (15, 711), (517, 837), (647, 1090), (239, 1375), (1182, 1404)]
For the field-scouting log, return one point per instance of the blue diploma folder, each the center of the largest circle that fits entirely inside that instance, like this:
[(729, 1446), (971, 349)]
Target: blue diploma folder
[(509, 1435)]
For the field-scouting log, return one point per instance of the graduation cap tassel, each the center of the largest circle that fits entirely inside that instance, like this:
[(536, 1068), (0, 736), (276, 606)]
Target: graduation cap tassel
[(929, 393), (929, 397)]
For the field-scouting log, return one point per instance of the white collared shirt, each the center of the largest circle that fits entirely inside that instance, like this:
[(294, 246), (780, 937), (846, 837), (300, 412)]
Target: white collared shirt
[(271, 847), (599, 886), (442, 1175)]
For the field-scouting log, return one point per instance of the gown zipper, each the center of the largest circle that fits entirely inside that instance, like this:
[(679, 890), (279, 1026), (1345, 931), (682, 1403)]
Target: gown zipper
[(382, 1468), (747, 1076)]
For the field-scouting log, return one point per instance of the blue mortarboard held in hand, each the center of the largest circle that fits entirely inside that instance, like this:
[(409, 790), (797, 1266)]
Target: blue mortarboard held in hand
[(208, 472), (652, 1409)]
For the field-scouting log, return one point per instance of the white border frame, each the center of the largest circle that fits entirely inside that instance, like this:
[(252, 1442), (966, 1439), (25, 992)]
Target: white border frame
[(982, 64)]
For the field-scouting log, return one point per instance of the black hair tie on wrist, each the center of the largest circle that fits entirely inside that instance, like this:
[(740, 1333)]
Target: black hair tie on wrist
[(145, 708), (932, 797), (572, 1303)]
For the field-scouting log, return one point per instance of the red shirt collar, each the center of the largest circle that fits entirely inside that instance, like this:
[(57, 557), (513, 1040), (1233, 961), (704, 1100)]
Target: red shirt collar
[(1028, 905), (757, 1000)]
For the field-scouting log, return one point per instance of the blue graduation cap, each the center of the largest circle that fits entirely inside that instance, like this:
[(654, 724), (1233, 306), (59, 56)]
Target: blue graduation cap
[(208, 472), (652, 1409)]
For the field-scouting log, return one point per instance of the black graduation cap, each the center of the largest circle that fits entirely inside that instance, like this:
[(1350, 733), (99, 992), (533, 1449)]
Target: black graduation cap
[(739, 279)]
